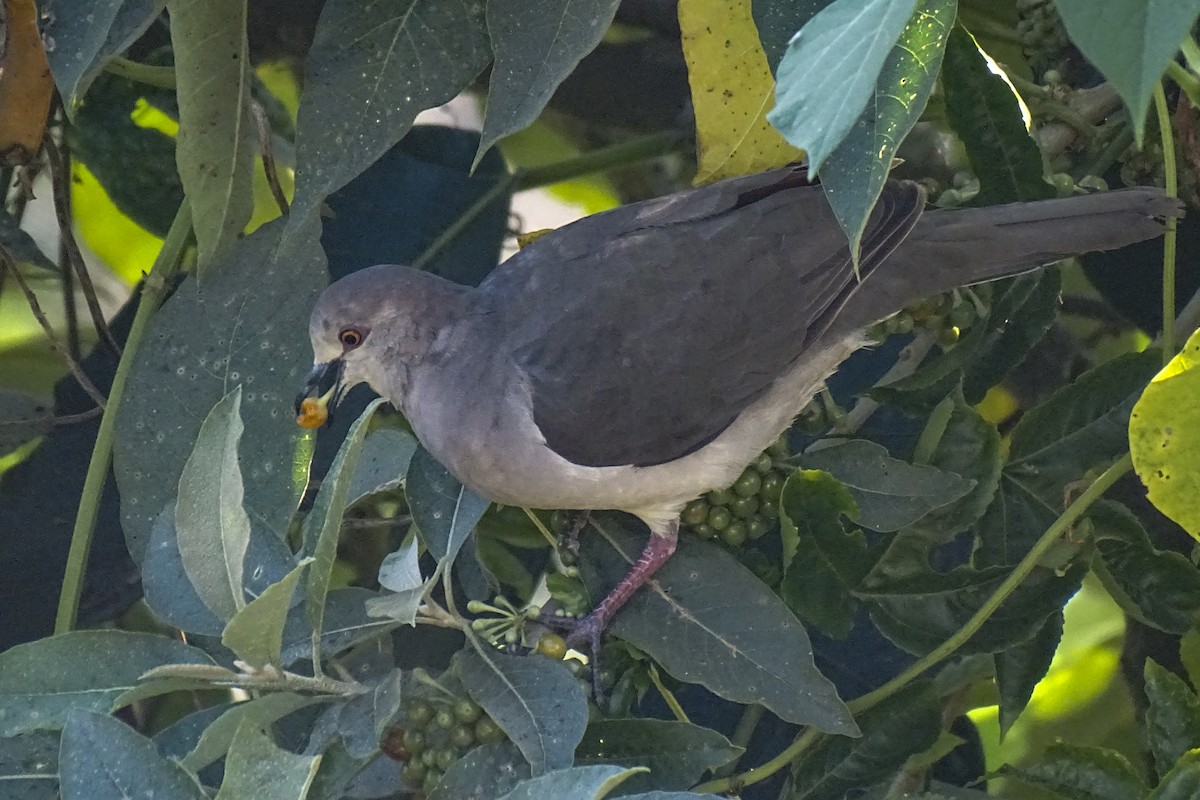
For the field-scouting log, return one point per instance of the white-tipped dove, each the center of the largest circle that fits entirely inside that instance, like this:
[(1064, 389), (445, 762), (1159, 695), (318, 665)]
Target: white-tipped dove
[(640, 357)]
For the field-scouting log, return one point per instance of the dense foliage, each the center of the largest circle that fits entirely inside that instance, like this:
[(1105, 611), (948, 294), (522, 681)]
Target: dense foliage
[(976, 541)]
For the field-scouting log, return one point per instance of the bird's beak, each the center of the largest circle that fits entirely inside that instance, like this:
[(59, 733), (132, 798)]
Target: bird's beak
[(322, 391)]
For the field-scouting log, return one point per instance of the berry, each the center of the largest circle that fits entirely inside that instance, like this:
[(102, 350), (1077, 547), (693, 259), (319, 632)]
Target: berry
[(414, 774), (763, 464), (446, 758), (747, 485), (550, 645), (695, 512), (756, 527), (772, 487), (719, 518), (462, 737), (769, 511), (467, 711), (445, 719), (419, 714), (488, 732), (735, 534), (414, 741), (704, 531), (720, 497), (780, 448), (431, 781)]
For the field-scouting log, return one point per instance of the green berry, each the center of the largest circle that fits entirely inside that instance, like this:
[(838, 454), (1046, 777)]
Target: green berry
[(763, 464), (488, 732), (756, 527), (695, 512), (772, 487), (432, 778), (446, 758), (429, 758), (419, 714), (414, 774), (704, 531), (735, 534), (780, 448), (1093, 183), (962, 315), (414, 741), (445, 719), (720, 497), (467, 711), (719, 518), (744, 507), (769, 511), (948, 337), (463, 737), (747, 484), (550, 645)]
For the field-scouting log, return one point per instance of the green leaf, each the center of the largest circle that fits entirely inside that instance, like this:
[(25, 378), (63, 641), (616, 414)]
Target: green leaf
[(1159, 587), (575, 783), (102, 758), (346, 623), (382, 463), (677, 754), (1011, 525), (217, 139), (363, 721), (1182, 782), (485, 772), (248, 325), (986, 115), (218, 737), (1164, 438), (854, 174), (906, 723), (1082, 773), (1081, 427), (822, 561), (400, 572), (1020, 667), (778, 20), (29, 765), (1022, 311), (83, 42), (210, 522), (692, 619), (1172, 717), (324, 522), (257, 767), (830, 71), (889, 493), (444, 511), (536, 701), (1131, 43), (42, 681), (255, 633), (371, 69), (535, 50)]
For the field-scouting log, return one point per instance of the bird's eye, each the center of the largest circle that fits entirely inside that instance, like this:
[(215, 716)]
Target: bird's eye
[(351, 337)]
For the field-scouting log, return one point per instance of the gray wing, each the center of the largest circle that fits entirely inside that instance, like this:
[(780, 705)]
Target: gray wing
[(643, 332)]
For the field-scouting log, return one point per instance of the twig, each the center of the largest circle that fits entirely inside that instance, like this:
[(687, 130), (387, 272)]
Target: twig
[(148, 74), (52, 421), (61, 182), (153, 292), (500, 188), (267, 149), (631, 152), (1172, 187), (9, 266)]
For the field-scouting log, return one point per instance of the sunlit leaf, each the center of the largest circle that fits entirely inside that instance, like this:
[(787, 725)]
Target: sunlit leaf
[(1088, 773)]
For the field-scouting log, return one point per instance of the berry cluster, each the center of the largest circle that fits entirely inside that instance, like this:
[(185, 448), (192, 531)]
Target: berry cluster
[(747, 509), (438, 731), (948, 315), (1043, 37)]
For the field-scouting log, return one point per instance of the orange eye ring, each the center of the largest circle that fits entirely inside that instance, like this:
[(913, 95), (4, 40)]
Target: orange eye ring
[(351, 337)]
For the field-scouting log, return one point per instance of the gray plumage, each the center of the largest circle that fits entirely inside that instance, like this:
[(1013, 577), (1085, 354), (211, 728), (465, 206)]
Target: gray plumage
[(639, 357)]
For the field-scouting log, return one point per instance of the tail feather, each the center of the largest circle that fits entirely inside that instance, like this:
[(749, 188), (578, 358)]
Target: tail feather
[(960, 247)]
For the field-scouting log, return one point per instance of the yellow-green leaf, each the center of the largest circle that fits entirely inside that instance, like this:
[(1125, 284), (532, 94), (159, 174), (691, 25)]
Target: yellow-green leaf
[(256, 632), (732, 90), (1164, 438)]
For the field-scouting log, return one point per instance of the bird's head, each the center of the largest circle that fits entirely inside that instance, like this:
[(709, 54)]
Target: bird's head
[(371, 327)]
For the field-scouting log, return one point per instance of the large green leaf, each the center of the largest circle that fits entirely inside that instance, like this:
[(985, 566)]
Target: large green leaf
[(102, 758), (536, 701), (29, 765), (676, 753), (831, 69), (778, 20), (324, 523), (255, 633), (217, 738), (257, 767), (986, 115), (485, 772), (1082, 773), (83, 42), (217, 138), (210, 522), (854, 173), (42, 681), (692, 618), (536, 47), (904, 724), (1020, 667), (889, 493), (1172, 717), (576, 783), (822, 562), (1159, 587), (1130, 42), (371, 69), (248, 325)]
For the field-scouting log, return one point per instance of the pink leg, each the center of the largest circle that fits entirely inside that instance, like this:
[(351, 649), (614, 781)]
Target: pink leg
[(657, 550)]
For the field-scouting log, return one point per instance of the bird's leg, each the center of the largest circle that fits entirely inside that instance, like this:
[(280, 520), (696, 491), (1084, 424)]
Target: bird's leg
[(657, 550)]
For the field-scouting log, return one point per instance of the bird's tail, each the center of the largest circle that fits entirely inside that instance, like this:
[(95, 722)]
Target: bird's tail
[(959, 247)]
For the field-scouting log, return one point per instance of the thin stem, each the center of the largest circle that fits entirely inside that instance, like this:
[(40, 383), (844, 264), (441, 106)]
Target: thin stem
[(746, 725), (736, 783), (267, 150), (149, 74), (1185, 80), (667, 695), (617, 155), (1010, 584), (153, 292), (1172, 187), (1117, 145), (1191, 54), (8, 265), (501, 188)]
